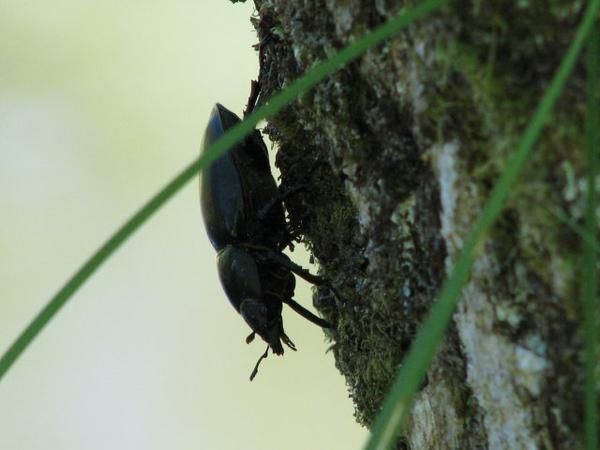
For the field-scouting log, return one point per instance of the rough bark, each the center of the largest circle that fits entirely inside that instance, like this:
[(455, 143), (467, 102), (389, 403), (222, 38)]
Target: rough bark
[(396, 154)]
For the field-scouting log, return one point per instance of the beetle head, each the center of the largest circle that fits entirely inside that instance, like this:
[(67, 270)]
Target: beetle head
[(256, 315)]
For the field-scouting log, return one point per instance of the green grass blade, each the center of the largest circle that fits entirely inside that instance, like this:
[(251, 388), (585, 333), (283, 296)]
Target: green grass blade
[(589, 277), (397, 404), (307, 81)]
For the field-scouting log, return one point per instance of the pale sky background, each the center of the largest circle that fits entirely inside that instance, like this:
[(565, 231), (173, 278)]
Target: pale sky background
[(101, 103)]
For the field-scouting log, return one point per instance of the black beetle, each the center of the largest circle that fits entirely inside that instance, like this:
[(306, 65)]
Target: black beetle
[(245, 221)]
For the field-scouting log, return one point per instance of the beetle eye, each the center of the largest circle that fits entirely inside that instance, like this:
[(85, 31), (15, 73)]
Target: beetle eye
[(254, 313)]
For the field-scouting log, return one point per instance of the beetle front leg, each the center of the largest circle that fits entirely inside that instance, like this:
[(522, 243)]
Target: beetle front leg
[(306, 313), (284, 261), (280, 259), (279, 198)]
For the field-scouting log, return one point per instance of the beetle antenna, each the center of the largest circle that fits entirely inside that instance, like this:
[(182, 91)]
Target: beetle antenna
[(255, 370)]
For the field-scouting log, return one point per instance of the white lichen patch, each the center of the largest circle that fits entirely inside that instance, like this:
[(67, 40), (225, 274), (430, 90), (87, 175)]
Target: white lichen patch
[(300, 55), (344, 13), (445, 166), (498, 370), (433, 410), (412, 88), (403, 217), (411, 85), (492, 362), (365, 201), (416, 89), (404, 213), (575, 192), (530, 369), (563, 273), (509, 314), (380, 6)]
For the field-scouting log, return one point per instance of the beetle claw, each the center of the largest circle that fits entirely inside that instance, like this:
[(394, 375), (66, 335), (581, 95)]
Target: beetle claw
[(287, 341), (252, 99)]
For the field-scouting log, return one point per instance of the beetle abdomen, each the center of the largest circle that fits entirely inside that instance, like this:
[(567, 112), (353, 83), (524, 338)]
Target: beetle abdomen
[(239, 275)]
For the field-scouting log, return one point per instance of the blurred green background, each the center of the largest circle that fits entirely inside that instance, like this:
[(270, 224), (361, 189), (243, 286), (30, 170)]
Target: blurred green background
[(101, 104)]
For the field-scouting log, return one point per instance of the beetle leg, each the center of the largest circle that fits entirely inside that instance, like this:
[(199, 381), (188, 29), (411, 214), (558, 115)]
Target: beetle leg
[(301, 272), (254, 92), (306, 313), (283, 261), (279, 198), (250, 337), (255, 370)]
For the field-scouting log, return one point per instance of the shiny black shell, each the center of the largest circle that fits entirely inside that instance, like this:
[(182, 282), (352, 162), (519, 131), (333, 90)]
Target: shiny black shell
[(237, 188)]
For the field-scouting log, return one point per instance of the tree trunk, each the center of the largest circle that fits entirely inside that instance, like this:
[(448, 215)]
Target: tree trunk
[(396, 154)]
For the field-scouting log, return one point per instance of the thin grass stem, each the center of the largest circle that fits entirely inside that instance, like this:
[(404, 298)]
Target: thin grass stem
[(589, 280)]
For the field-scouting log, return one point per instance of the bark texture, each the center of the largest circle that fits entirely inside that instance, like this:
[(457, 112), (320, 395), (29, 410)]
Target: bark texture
[(396, 154)]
